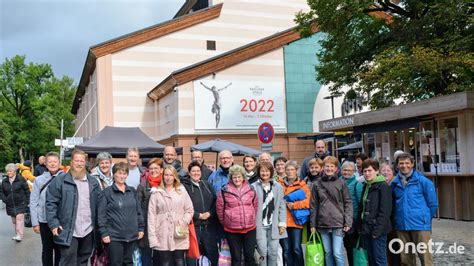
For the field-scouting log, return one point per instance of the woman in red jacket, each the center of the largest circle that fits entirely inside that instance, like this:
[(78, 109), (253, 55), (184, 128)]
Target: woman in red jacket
[(236, 208)]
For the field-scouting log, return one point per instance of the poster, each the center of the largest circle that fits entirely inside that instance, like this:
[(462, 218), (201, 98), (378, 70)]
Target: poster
[(238, 105), (386, 150)]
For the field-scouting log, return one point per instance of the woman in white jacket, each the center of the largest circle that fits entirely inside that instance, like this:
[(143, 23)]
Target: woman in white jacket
[(169, 209)]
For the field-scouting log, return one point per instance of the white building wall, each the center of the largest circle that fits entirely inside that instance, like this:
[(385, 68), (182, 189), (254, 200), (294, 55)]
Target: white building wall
[(138, 69)]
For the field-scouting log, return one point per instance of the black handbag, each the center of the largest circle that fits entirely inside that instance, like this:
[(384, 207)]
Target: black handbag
[(28, 218)]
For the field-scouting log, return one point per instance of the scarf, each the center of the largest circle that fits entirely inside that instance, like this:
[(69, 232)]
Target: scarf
[(377, 179), (249, 174), (329, 177), (108, 180), (405, 178), (268, 204), (225, 170), (154, 181)]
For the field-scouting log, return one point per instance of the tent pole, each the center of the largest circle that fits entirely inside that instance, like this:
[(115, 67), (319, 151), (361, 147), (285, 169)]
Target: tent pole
[(436, 160), (217, 158)]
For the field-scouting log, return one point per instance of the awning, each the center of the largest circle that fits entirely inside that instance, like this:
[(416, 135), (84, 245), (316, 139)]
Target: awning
[(317, 136), (388, 126), (353, 146)]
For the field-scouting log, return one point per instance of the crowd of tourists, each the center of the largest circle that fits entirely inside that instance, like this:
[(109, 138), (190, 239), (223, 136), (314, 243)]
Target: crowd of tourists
[(260, 212)]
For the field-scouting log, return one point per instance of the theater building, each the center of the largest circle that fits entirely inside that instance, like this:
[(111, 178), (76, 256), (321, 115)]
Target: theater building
[(213, 71)]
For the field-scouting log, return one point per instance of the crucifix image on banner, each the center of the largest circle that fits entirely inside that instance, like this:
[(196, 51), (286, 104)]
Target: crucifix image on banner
[(216, 106)]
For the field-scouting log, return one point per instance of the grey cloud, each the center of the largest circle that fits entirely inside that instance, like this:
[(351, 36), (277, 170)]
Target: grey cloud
[(61, 32)]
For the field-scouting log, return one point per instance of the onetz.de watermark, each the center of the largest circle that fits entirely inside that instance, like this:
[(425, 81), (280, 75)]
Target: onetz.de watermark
[(431, 247)]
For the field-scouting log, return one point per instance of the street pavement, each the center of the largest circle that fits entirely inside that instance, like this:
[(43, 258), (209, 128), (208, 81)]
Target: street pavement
[(28, 252), (450, 233)]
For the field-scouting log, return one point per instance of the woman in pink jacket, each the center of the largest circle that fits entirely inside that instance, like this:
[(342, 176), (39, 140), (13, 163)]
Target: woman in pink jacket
[(236, 208), (170, 209)]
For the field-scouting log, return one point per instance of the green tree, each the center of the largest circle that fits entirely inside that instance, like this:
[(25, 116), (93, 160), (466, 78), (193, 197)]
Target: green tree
[(388, 49), (33, 102)]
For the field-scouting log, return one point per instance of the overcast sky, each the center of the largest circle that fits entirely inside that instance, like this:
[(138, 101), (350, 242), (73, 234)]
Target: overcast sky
[(60, 32)]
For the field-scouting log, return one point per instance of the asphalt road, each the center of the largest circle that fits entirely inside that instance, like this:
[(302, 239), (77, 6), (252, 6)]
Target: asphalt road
[(27, 252)]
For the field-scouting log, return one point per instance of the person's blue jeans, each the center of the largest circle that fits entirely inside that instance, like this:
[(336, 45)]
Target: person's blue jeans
[(376, 249), (333, 242), (292, 251), (146, 256)]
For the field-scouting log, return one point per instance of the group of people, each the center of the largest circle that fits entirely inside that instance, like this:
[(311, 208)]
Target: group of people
[(258, 209)]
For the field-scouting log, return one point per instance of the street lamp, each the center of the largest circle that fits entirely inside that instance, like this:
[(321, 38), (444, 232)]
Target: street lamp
[(332, 96)]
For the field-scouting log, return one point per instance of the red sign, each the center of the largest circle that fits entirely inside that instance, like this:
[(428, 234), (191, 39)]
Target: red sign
[(266, 133)]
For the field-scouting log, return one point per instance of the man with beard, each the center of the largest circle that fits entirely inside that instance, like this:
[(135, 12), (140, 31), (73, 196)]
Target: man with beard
[(196, 156), (71, 211), (169, 156), (320, 152), (38, 210), (220, 177)]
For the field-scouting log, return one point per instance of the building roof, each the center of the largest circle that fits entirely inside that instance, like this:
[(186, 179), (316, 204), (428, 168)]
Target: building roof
[(225, 60), (191, 6), (138, 37), (404, 114)]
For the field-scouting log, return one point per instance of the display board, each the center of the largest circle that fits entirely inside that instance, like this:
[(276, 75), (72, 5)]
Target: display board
[(237, 105)]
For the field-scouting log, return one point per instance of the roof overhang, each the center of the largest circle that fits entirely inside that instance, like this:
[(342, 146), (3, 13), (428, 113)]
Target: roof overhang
[(402, 115), (138, 37), (225, 60)]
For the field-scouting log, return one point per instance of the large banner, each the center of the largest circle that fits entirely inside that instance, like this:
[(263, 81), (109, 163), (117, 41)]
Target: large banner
[(238, 104)]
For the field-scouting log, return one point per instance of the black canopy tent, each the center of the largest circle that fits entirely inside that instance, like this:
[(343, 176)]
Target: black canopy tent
[(116, 141)]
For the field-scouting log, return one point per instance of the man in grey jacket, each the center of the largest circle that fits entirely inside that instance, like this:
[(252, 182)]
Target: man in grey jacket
[(71, 211), (38, 209)]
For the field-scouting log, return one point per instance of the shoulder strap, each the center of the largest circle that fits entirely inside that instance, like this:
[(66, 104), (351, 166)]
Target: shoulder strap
[(331, 199), (46, 184), (223, 197)]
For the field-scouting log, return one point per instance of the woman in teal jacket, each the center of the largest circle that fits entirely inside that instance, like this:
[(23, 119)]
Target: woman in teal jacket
[(355, 189)]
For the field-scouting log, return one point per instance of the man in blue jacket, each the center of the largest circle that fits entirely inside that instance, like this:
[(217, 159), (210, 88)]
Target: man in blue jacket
[(71, 211), (220, 177), (415, 205)]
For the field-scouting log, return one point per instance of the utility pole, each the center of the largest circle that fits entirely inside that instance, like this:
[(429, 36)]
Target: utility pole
[(61, 148)]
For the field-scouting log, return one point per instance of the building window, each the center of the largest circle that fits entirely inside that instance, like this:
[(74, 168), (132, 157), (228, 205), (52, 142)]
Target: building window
[(211, 45), (440, 147)]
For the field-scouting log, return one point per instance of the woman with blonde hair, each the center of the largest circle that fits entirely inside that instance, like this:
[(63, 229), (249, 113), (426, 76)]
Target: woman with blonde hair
[(151, 178), (170, 211)]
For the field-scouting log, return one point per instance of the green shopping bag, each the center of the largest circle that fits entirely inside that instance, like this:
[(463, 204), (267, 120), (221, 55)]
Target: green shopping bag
[(359, 254), (314, 251)]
